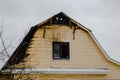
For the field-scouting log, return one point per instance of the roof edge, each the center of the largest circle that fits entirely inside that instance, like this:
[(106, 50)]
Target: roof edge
[(80, 25), (103, 51), (72, 20)]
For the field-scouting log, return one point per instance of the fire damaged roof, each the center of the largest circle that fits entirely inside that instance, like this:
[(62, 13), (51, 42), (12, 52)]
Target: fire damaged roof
[(61, 19), (20, 52)]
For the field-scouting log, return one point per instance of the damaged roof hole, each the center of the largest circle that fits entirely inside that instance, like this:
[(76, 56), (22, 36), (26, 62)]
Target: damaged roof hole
[(56, 18), (61, 19)]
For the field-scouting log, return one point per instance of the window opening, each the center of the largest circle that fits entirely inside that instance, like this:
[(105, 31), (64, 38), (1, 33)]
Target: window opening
[(61, 50)]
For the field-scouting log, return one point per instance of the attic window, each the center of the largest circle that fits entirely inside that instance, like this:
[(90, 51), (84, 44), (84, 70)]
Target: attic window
[(61, 50)]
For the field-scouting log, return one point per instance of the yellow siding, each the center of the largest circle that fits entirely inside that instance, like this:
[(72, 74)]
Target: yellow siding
[(62, 77), (84, 53)]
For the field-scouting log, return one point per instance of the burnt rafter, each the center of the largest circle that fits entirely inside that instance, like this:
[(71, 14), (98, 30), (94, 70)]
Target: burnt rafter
[(44, 32), (60, 18)]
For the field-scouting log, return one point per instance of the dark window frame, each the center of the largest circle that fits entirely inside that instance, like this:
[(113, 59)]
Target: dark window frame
[(62, 50)]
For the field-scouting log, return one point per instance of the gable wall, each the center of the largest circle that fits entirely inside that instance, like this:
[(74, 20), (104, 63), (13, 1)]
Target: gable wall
[(84, 53)]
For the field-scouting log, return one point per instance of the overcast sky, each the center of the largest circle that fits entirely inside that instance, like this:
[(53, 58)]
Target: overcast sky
[(101, 16)]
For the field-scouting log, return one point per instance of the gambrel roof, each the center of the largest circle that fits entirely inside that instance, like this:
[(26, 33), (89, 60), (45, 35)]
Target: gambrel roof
[(61, 19)]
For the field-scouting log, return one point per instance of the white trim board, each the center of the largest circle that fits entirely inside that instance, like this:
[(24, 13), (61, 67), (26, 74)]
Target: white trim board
[(57, 71)]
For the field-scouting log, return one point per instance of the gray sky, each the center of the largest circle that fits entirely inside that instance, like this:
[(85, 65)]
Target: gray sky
[(101, 16)]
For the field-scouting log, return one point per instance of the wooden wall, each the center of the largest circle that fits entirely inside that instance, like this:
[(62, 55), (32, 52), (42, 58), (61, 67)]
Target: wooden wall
[(84, 53)]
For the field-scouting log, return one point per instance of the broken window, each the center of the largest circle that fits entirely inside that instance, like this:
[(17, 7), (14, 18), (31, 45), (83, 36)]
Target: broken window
[(61, 50)]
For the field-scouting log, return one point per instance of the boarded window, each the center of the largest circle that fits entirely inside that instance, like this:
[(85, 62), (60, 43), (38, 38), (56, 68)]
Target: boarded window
[(61, 50)]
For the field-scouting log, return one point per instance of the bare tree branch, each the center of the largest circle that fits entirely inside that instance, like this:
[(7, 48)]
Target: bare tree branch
[(5, 49), (3, 43)]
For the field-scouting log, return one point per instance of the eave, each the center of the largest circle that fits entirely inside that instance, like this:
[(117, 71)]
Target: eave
[(57, 71)]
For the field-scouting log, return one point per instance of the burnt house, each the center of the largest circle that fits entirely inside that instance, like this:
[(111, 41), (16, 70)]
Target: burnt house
[(60, 48)]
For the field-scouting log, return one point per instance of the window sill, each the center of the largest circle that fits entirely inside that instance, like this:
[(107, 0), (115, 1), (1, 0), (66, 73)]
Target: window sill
[(61, 59)]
